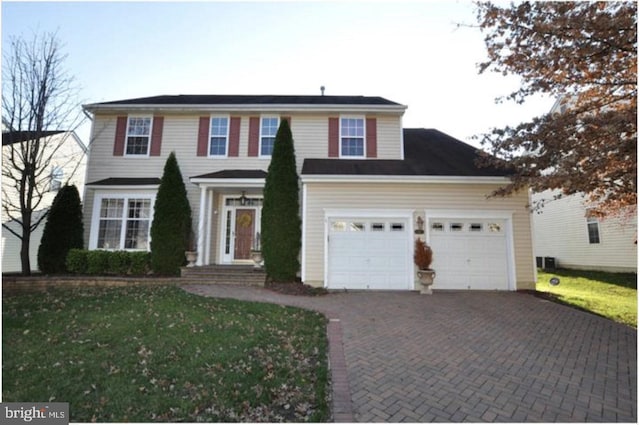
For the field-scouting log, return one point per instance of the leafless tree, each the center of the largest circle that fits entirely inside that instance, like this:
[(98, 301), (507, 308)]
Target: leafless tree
[(38, 97)]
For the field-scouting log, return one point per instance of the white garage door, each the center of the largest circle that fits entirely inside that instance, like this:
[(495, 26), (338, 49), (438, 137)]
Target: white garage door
[(469, 254), (369, 254)]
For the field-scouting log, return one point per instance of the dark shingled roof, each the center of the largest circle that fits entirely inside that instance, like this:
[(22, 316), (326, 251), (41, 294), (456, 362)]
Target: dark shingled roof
[(205, 99), (234, 174), (11, 137), (427, 152), (127, 181)]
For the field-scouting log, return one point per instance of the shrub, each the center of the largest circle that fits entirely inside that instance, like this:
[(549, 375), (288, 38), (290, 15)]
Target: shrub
[(62, 232), (280, 224), (132, 263), (423, 255), (98, 262), (77, 261), (171, 224)]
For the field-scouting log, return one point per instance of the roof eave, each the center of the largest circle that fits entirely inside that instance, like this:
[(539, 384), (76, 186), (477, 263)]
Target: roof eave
[(98, 107), (337, 178)]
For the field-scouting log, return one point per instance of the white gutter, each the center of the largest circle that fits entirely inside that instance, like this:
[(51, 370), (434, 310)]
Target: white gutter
[(122, 186), (403, 179), (208, 182)]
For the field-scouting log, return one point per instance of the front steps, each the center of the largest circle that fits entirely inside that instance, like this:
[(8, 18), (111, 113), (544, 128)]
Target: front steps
[(223, 274)]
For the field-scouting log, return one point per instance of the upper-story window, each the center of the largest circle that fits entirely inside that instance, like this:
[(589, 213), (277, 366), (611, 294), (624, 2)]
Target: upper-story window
[(138, 136), (57, 174), (268, 130), (352, 137), (219, 136)]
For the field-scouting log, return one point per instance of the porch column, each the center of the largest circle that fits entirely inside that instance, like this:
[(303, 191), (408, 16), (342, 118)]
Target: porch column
[(201, 225)]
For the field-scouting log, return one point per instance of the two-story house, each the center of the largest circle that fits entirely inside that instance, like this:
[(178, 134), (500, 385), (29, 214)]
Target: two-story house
[(63, 162), (368, 188)]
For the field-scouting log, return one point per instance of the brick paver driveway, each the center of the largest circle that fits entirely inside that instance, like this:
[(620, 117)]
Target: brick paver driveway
[(471, 356)]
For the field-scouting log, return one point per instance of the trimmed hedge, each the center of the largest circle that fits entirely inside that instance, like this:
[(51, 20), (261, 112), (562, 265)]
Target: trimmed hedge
[(97, 262)]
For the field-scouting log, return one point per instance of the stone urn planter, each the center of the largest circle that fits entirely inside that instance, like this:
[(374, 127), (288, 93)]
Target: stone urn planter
[(192, 257), (256, 256), (422, 256)]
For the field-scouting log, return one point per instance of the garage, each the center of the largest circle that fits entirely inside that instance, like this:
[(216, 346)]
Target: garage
[(469, 253), (369, 253)]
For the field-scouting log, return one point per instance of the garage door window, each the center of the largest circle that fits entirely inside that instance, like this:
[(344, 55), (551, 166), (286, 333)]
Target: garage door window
[(377, 227), (495, 228), (397, 227), (455, 227), (339, 226), (475, 227), (357, 227)]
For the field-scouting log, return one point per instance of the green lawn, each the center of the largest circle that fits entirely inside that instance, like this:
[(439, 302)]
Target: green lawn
[(160, 354), (612, 295)]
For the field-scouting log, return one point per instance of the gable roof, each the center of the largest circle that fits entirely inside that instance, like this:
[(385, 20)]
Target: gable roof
[(11, 137), (206, 102), (427, 152)]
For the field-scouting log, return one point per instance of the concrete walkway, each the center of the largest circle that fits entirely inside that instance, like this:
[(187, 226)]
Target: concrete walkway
[(468, 356)]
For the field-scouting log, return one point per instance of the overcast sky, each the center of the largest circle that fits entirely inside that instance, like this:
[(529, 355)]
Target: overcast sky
[(413, 53)]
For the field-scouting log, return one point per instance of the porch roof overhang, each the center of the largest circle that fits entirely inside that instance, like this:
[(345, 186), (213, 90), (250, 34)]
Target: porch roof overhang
[(126, 183), (231, 178)]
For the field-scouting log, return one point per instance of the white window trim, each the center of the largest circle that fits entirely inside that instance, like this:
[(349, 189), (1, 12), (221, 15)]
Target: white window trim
[(594, 220), (364, 137), (95, 217), (226, 149), (126, 136), (262, 117)]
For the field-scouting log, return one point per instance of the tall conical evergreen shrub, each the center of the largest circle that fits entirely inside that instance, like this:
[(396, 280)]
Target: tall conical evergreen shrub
[(281, 230), (62, 232), (171, 226)]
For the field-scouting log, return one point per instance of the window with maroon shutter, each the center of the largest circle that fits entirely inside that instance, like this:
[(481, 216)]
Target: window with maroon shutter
[(254, 136), (372, 138), (234, 136), (203, 136), (334, 135), (121, 133), (138, 140), (156, 136)]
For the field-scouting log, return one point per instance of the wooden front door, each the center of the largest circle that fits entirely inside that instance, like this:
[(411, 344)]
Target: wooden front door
[(245, 229)]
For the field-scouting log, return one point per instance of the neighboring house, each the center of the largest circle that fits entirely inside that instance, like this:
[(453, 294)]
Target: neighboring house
[(368, 186), (67, 165), (565, 231)]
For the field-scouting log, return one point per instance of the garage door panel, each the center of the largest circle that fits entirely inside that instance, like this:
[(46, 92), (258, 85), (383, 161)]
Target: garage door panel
[(469, 254), (370, 255)]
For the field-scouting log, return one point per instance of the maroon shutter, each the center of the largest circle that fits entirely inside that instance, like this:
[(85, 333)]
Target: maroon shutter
[(234, 136), (334, 135), (254, 135), (121, 133), (372, 138), (156, 136), (203, 136)]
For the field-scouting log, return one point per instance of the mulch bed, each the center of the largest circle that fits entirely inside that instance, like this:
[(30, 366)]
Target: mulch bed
[(295, 288)]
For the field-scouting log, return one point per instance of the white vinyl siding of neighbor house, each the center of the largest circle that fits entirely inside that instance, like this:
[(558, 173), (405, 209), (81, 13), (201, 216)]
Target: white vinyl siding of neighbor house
[(180, 134), (418, 197), (69, 158), (561, 232)]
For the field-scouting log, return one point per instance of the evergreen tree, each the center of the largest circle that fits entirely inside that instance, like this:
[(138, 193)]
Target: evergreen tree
[(281, 230), (171, 226), (62, 232)]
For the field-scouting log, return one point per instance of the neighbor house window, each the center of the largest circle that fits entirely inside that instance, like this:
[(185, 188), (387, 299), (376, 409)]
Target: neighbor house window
[(219, 136), (593, 228), (352, 137), (124, 223), (57, 173), (138, 136), (268, 130)]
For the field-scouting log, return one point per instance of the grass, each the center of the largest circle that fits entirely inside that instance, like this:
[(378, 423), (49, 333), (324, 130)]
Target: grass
[(142, 354), (612, 295)]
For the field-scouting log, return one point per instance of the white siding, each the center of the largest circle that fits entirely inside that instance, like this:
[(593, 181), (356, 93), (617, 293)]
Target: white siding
[(561, 232), (417, 197), (180, 134)]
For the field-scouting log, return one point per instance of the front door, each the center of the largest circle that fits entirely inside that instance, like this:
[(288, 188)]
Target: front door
[(244, 233)]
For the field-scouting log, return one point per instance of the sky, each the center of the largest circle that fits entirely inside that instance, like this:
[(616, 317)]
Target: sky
[(422, 54)]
